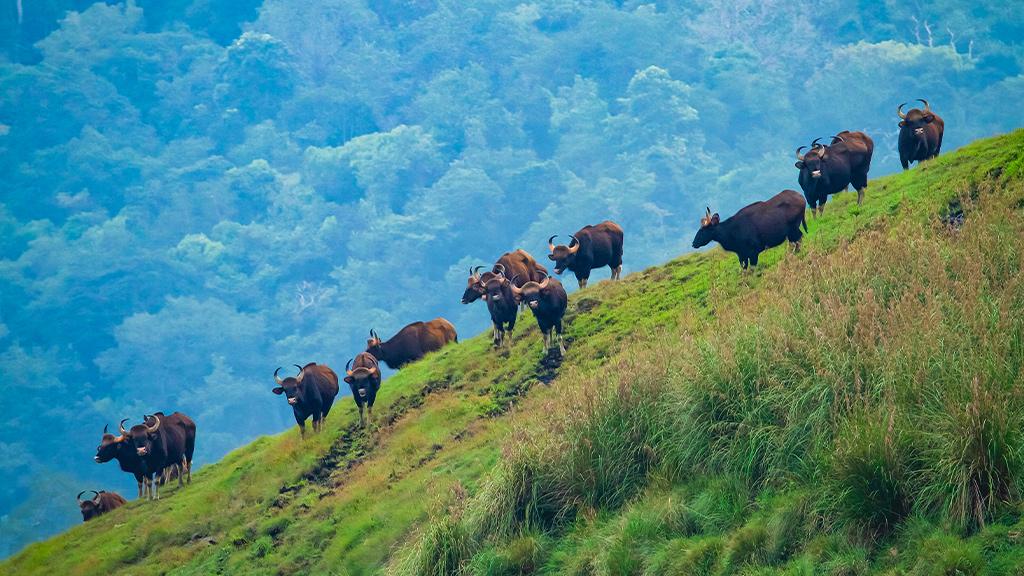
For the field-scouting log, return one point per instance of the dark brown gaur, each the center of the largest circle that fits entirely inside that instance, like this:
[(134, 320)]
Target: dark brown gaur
[(99, 504), (364, 380), (590, 248), (920, 135), (831, 168), (310, 393), (547, 301)]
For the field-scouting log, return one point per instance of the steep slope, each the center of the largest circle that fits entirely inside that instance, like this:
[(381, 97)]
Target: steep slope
[(424, 492)]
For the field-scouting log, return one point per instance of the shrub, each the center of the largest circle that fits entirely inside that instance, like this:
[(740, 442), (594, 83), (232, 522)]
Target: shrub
[(868, 474), (974, 454)]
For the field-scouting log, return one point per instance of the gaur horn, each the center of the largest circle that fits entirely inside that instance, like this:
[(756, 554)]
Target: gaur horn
[(551, 246), (105, 428), (544, 283), (573, 249), (927, 108), (79, 497), (840, 138), (299, 367), (512, 285), (154, 427), (347, 365), (362, 372), (799, 156), (899, 111), (499, 269), (474, 273), (121, 426), (276, 377)]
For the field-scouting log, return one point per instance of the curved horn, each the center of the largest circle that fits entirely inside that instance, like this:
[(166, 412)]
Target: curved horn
[(573, 249), (927, 108), (105, 428), (299, 367), (79, 497), (544, 283), (362, 372), (840, 138), (512, 286), (799, 156), (347, 366), (474, 273), (551, 246), (154, 427), (499, 269), (276, 377), (815, 144), (899, 111), (121, 427)]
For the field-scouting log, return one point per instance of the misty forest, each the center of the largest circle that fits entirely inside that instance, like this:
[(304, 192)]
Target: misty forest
[(195, 192)]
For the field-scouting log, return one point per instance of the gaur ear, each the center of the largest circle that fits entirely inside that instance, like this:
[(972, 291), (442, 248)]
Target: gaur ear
[(348, 379), (929, 117), (902, 123), (278, 390), (483, 296), (551, 256), (800, 164), (714, 219)]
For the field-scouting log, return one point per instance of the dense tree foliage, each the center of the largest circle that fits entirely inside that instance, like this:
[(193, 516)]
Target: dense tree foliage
[(197, 191)]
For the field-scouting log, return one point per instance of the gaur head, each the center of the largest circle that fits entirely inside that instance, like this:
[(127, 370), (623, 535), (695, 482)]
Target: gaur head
[(529, 294), (361, 379), (563, 256), (107, 450), (373, 344), (142, 436), (494, 288), (813, 161), (916, 119), (475, 284), (90, 508), (289, 386), (707, 229)]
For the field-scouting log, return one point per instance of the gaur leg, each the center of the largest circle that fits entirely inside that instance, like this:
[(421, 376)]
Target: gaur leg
[(860, 182), (139, 480), (362, 421), (794, 236), (743, 262), (558, 335), (616, 272), (753, 259), (369, 415), (583, 280)]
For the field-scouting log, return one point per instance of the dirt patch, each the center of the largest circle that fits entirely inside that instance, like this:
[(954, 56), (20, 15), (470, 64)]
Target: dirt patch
[(584, 305), (953, 215)]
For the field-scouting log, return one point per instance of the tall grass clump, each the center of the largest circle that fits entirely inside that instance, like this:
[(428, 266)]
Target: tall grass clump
[(593, 448), (868, 476)]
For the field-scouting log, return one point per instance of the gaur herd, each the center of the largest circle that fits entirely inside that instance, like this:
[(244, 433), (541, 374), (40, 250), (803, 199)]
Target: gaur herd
[(160, 447)]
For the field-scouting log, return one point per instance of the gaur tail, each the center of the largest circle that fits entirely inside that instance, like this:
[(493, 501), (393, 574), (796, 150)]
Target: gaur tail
[(803, 220)]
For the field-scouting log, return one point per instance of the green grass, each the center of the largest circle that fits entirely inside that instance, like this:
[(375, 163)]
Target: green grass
[(855, 409)]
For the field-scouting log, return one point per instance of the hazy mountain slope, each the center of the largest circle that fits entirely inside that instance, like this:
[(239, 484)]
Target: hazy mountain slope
[(346, 502)]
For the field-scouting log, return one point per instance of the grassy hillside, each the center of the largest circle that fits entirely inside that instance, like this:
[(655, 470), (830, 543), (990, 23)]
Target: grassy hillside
[(853, 409)]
